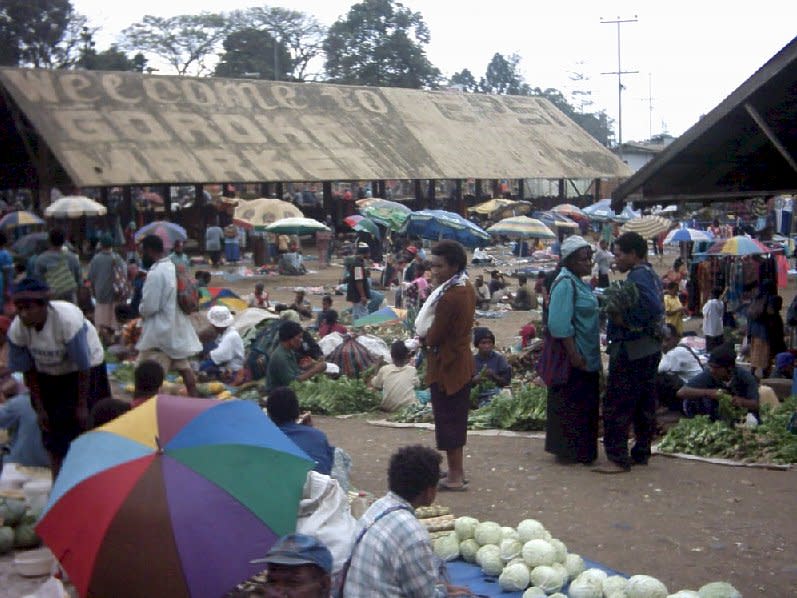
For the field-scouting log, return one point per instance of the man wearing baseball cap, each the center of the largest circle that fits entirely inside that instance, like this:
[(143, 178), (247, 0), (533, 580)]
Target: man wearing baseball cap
[(299, 566)]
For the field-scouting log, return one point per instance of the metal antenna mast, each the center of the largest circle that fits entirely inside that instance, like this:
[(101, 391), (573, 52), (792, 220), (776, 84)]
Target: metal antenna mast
[(619, 72)]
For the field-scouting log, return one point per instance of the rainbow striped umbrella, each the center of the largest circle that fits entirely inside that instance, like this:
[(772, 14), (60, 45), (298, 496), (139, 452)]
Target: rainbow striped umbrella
[(210, 296), (647, 226), (19, 218), (738, 245), (177, 497), (522, 227)]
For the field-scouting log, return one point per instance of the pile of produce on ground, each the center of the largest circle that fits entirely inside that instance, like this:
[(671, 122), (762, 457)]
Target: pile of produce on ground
[(524, 363), (528, 559), (342, 396), (17, 524), (173, 385), (524, 410), (768, 442)]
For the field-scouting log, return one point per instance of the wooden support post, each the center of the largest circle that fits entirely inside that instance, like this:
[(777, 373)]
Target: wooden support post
[(328, 201), (420, 201), (479, 193), (166, 194), (562, 191), (521, 189), (382, 189), (431, 195), (459, 199)]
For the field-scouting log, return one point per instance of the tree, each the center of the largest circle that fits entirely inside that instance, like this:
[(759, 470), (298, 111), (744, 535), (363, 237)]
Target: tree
[(598, 124), (502, 77), (186, 42), (380, 42), (254, 54), (32, 32), (112, 59), (464, 80), (300, 34)]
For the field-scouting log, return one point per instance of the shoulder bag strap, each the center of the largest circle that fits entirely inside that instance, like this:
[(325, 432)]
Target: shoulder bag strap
[(697, 359), (345, 571)]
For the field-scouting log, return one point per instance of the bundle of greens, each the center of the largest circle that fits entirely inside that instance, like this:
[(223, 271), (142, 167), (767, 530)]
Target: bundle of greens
[(124, 373), (769, 442), (727, 411), (343, 396), (524, 410), (619, 298), (415, 413), (483, 387)]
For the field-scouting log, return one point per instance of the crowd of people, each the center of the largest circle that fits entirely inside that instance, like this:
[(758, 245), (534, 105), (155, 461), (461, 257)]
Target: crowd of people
[(57, 342)]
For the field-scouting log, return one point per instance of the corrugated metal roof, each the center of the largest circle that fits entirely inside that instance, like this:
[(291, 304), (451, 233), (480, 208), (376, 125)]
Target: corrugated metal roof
[(115, 128), (746, 146)]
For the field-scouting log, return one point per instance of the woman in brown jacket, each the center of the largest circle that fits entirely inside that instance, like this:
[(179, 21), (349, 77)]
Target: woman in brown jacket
[(444, 324)]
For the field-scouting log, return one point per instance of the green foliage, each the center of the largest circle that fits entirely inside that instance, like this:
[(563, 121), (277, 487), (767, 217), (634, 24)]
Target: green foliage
[(465, 80), (524, 410), (619, 298), (185, 42), (502, 77), (335, 397), (380, 42), (112, 59), (727, 411), (124, 373), (414, 413), (254, 54), (769, 442), (299, 34)]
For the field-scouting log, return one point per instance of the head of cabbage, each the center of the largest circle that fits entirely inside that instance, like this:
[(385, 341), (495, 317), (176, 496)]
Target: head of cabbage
[(645, 586), (487, 532), (447, 547), (538, 552), (464, 526), (468, 549), (614, 584), (585, 587), (491, 561), (560, 548), (574, 565), (510, 549), (534, 592), (547, 578), (514, 578), (718, 589), (530, 529), (488, 550)]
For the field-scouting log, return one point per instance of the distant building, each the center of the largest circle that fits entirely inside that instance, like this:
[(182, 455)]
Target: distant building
[(638, 153)]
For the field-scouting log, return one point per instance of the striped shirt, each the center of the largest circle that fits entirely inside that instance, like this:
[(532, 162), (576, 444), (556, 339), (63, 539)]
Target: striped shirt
[(395, 557)]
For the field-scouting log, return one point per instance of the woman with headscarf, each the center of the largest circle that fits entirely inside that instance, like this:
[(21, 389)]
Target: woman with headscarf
[(571, 429), (444, 325), (59, 352)]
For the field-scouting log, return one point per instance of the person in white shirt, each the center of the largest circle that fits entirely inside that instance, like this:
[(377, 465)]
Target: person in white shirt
[(603, 260), (167, 335), (713, 311), (228, 355), (398, 380), (678, 365), (60, 355)]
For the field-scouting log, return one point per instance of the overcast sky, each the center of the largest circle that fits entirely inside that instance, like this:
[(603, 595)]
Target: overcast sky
[(690, 55)]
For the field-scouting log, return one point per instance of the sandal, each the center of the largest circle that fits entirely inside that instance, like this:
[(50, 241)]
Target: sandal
[(443, 486)]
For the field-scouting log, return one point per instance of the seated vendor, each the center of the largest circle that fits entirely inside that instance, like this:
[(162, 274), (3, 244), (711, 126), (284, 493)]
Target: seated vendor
[(331, 324), (523, 300), (260, 297), (678, 365), (228, 356), (283, 409), (784, 366), (301, 305), (326, 305), (489, 364), (700, 394), (283, 366), (482, 293)]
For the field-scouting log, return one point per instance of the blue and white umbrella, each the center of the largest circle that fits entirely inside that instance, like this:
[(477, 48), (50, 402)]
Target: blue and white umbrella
[(439, 224), (601, 211), (682, 234)]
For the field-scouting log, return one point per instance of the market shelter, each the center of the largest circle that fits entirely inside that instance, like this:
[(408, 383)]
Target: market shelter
[(120, 128), (745, 147)]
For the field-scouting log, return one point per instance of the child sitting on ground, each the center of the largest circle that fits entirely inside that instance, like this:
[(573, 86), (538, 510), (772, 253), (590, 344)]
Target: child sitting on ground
[(148, 378), (398, 380), (260, 297), (331, 324)]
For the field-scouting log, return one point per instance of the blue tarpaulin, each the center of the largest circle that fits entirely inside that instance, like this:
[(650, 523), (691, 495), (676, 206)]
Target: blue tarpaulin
[(470, 575)]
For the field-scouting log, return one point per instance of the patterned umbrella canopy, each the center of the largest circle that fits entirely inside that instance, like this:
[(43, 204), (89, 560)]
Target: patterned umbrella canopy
[(500, 205), (19, 218), (739, 245), (569, 210), (647, 226), (685, 234), (208, 297), (74, 206), (362, 223), (177, 497), (522, 227), (385, 212), (168, 231), (258, 213), (555, 220), (439, 224), (295, 226)]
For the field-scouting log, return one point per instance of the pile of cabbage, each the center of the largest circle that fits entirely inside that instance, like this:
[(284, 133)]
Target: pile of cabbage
[(528, 559)]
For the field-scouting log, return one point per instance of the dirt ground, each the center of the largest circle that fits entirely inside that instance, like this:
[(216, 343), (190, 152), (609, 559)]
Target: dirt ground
[(686, 523)]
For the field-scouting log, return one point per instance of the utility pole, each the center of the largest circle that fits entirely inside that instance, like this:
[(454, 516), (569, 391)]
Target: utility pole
[(619, 72), (649, 100)]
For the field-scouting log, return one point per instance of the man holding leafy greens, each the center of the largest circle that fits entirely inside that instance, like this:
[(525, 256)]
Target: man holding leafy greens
[(635, 317)]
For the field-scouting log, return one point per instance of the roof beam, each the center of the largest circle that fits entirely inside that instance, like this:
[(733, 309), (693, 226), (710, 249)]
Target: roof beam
[(770, 134)]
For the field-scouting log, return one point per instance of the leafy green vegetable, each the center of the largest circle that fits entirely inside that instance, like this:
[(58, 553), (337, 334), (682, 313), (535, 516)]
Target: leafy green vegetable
[(124, 373), (769, 442), (336, 397), (524, 410), (414, 413), (619, 298), (727, 411)]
